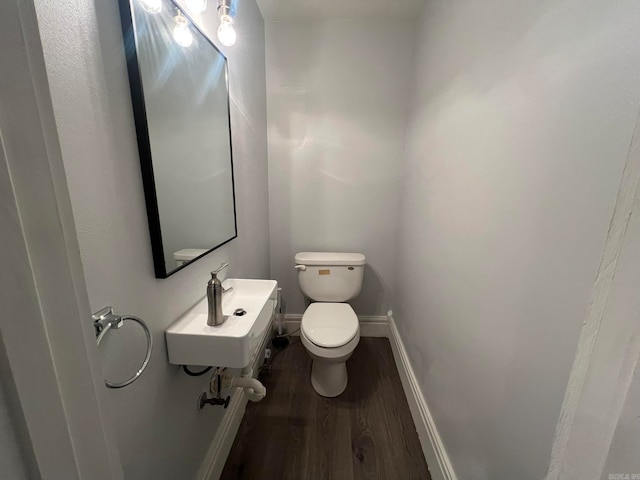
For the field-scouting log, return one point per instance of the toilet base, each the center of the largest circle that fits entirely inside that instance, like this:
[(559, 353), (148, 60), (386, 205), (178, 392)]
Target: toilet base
[(329, 379), (329, 369)]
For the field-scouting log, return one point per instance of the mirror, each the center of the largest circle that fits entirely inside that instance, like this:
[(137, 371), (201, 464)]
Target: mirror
[(180, 96)]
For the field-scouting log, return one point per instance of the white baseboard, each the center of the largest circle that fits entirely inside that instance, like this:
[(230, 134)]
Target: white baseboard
[(216, 456), (434, 452), (370, 326)]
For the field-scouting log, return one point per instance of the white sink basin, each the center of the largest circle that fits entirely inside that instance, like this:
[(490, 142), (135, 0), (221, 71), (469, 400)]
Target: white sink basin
[(190, 341)]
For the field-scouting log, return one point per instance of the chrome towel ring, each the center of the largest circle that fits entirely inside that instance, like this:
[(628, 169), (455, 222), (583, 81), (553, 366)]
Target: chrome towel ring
[(103, 321)]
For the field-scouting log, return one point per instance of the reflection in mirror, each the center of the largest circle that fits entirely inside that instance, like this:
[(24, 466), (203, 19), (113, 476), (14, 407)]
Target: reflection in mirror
[(180, 96)]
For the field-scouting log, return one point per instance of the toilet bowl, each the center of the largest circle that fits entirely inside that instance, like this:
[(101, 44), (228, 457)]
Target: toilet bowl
[(330, 333), (329, 329)]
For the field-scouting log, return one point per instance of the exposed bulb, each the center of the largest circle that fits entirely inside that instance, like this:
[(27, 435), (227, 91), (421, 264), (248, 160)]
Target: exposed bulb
[(151, 6), (181, 33), (226, 32), (197, 6)]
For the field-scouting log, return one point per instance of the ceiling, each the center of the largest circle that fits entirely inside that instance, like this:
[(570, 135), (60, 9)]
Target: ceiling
[(339, 9)]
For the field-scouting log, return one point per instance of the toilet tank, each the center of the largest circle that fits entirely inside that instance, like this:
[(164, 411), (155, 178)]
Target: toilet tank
[(330, 276), (187, 254)]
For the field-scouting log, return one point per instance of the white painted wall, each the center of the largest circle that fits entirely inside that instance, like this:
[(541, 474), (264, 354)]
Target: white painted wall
[(160, 433), (623, 456), (16, 457), (522, 117), (12, 464), (337, 99), (339, 9), (599, 418)]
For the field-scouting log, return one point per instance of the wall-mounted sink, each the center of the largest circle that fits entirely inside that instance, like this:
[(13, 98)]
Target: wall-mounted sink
[(190, 341)]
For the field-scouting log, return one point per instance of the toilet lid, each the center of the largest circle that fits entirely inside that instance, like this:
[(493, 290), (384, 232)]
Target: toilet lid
[(329, 325)]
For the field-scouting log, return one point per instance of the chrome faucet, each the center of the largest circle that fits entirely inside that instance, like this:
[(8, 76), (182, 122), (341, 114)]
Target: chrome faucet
[(214, 297)]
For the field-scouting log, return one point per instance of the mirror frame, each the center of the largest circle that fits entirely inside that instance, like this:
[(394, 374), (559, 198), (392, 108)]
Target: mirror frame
[(144, 145)]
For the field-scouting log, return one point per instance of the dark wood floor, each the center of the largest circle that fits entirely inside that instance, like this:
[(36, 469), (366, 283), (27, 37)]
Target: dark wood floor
[(294, 433)]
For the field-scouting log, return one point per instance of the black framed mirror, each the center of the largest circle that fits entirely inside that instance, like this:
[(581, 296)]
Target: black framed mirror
[(180, 96)]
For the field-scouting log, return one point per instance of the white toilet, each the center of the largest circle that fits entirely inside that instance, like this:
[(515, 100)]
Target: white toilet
[(329, 329), (187, 254)]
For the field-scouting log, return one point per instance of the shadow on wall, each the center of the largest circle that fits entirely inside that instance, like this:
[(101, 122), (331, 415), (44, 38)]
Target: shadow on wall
[(373, 295)]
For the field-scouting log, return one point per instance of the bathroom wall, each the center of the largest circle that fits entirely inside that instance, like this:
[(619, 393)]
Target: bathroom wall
[(522, 117), (337, 99), (16, 456), (161, 435), (623, 456), (12, 464)]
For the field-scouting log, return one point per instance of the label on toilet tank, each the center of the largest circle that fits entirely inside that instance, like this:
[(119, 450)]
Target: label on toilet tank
[(324, 272)]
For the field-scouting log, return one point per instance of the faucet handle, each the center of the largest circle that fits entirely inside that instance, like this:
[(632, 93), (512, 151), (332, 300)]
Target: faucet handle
[(221, 267)]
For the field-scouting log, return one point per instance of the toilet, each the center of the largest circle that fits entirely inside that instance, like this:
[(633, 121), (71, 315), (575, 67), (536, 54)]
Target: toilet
[(186, 255), (329, 328)]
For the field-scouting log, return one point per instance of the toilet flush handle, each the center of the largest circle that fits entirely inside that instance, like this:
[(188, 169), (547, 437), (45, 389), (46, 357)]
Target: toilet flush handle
[(301, 267)]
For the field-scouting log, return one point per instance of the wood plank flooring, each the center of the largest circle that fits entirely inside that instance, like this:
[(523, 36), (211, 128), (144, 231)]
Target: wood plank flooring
[(294, 433)]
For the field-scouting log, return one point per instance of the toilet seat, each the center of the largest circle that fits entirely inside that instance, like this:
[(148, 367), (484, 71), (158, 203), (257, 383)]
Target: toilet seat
[(329, 325)]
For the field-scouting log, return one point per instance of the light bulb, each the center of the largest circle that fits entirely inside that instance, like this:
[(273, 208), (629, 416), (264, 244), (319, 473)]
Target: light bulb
[(226, 33), (151, 6), (197, 6), (181, 32)]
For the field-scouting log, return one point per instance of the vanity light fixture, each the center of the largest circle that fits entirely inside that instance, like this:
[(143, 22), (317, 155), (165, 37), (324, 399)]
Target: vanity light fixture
[(151, 6), (197, 6), (226, 32), (181, 33)]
